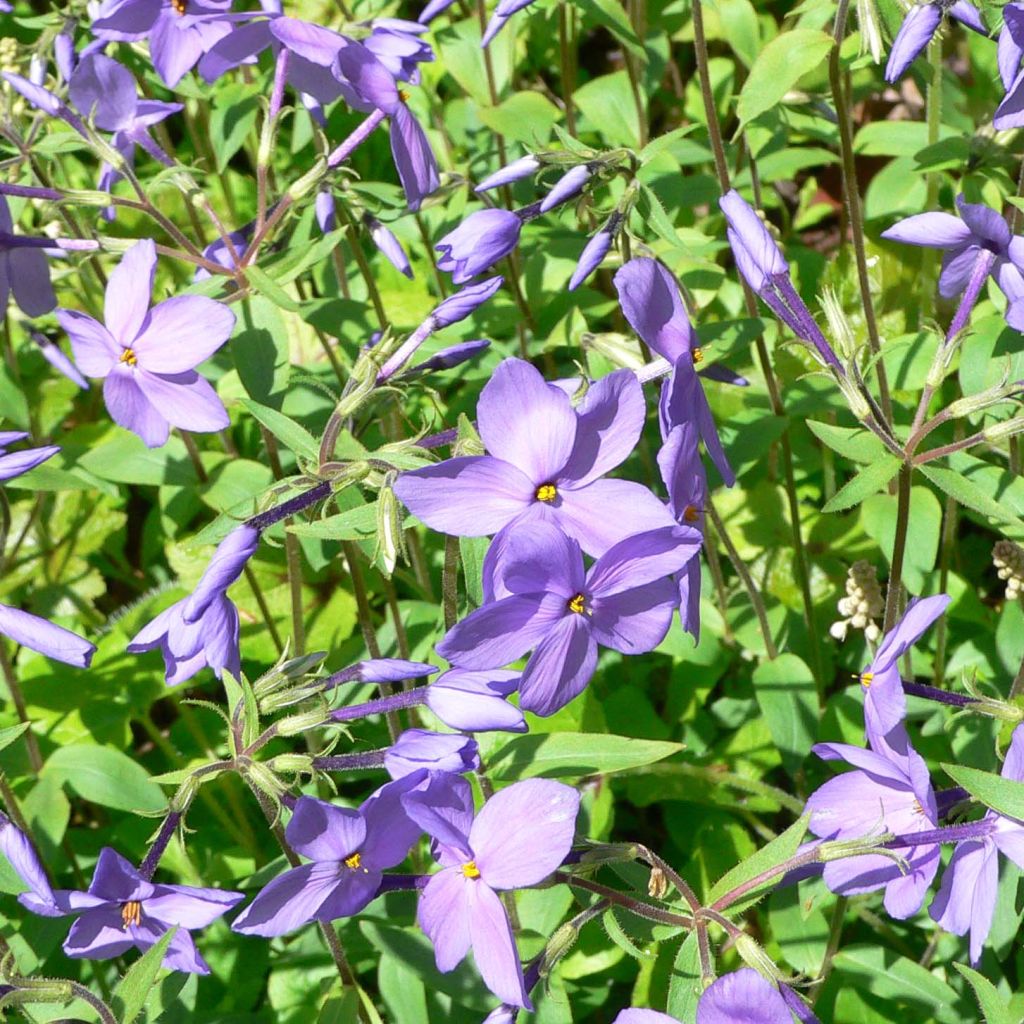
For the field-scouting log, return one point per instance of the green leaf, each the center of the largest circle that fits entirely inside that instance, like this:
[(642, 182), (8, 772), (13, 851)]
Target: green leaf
[(684, 987), (269, 288), (525, 117), (260, 351), (870, 480), (127, 460), (574, 755), (232, 118), (969, 494), (355, 524), (612, 16), (295, 437), (11, 733), (851, 442), (778, 67), (778, 851), (878, 517), (991, 1002), (105, 776), (788, 698), (135, 987), (1003, 795), (607, 103)]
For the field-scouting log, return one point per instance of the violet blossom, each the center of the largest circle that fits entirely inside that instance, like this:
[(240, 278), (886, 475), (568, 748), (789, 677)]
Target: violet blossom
[(890, 789), (651, 303), (349, 850), (546, 463), (595, 250), (539, 596), (121, 910), (524, 167), (13, 464), (521, 835), (482, 239), (966, 900), (23, 268), (202, 629), (742, 997), (920, 25), (419, 749), (396, 43), (147, 357)]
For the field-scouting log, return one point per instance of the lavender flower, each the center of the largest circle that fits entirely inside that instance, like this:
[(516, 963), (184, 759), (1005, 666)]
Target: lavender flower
[(890, 789), (465, 302), (179, 32), (349, 850), (419, 749), (13, 464), (121, 909), (742, 997), (545, 464), (966, 900), (885, 706), (651, 303), (414, 159), (504, 11), (390, 246), (539, 596), (23, 269), (147, 356), (569, 185), (202, 630), (520, 836), (518, 169), (920, 24), (475, 701), (45, 638), (482, 239), (396, 43), (978, 241)]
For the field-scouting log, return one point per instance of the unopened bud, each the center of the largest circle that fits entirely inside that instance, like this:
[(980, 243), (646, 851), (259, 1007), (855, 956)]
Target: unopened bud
[(857, 402), (390, 535), (267, 143), (558, 945), (1008, 428), (86, 197), (754, 956), (286, 671), (292, 764), (309, 181), (841, 849), (1008, 559), (468, 441), (295, 724), (839, 325)]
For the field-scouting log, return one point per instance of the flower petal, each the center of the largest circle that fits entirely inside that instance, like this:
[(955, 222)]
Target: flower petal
[(560, 668), (131, 409), (189, 907), (98, 935), (494, 947), (635, 621), (43, 636), (185, 400), (524, 832), (650, 301), (289, 901), (525, 421), (129, 288), (932, 230), (323, 832), (96, 352), (742, 996), (443, 914), (183, 332), (530, 557), (641, 559), (30, 281), (966, 900)]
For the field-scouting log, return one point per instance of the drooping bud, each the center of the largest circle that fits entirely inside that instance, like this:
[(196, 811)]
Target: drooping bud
[(863, 602), (390, 534), (1008, 558)]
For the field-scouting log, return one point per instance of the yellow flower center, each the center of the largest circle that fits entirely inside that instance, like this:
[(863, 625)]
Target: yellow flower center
[(180, 6), (131, 913), (698, 355), (470, 870), (866, 678), (128, 356), (691, 513), (577, 604), (547, 492), (354, 862), (918, 809)]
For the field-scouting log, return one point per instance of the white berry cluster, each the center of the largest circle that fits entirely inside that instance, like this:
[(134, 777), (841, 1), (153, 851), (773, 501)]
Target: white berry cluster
[(863, 603), (1009, 562)]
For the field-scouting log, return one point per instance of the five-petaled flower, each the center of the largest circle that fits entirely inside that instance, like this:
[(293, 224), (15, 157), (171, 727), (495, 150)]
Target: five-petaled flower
[(147, 357)]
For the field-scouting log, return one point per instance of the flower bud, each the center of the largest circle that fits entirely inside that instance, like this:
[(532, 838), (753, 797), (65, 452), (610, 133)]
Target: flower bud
[(838, 324), (295, 724), (1008, 428), (292, 764), (309, 181), (754, 956), (390, 535), (560, 943), (521, 168)]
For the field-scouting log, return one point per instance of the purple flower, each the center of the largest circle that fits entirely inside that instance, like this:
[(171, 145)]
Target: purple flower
[(885, 705), (764, 268), (504, 11), (539, 596), (390, 246), (520, 836), (465, 302), (743, 997), (919, 25), (651, 303), (595, 250), (635, 1016), (545, 464), (13, 464), (55, 357), (349, 850), (45, 638), (966, 900), (23, 269), (521, 168), (567, 186), (121, 910), (179, 32), (482, 239), (396, 43), (104, 90), (414, 159), (1011, 43), (475, 701), (202, 629), (450, 357), (979, 236), (684, 477), (890, 789), (418, 749), (147, 356)]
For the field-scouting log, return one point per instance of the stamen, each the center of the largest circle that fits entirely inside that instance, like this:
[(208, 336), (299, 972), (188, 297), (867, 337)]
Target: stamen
[(180, 6), (547, 493), (866, 677), (698, 355), (131, 913), (577, 604), (128, 356), (470, 870), (918, 809), (691, 513), (354, 862)]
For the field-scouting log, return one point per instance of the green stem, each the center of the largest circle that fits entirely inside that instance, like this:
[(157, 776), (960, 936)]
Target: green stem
[(892, 593), (35, 758)]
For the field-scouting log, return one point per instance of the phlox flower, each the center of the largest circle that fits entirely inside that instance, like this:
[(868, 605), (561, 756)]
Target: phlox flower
[(742, 997), (418, 750), (482, 239), (545, 464), (920, 25), (966, 900), (23, 268), (521, 835), (147, 357), (538, 595), (349, 850), (889, 790), (121, 909)]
